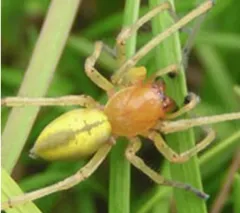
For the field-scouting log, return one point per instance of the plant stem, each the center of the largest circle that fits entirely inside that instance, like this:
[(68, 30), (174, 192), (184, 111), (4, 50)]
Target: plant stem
[(119, 195), (167, 53), (38, 76)]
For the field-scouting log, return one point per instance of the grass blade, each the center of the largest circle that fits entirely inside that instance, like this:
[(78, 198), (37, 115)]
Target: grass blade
[(119, 195), (236, 193), (167, 53), (10, 189), (38, 76)]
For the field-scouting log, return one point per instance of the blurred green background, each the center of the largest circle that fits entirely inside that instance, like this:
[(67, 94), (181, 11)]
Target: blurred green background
[(212, 73)]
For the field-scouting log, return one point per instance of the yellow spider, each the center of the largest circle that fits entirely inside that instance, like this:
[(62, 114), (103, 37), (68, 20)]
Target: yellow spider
[(136, 107)]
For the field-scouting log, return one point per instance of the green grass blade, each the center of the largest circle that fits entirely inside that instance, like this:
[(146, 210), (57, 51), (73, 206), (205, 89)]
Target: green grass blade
[(223, 40), (236, 193), (167, 53), (237, 90), (10, 189), (217, 73), (38, 76), (119, 195)]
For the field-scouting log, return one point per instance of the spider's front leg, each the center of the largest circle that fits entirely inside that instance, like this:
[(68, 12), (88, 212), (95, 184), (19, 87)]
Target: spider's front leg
[(92, 72), (131, 74), (126, 33), (190, 102), (133, 147), (69, 182), (174, 157)]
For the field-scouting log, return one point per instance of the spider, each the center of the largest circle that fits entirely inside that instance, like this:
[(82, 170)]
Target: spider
[(136, 107)]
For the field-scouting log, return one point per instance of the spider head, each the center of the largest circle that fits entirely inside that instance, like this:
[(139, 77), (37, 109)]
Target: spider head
[(168, 104)]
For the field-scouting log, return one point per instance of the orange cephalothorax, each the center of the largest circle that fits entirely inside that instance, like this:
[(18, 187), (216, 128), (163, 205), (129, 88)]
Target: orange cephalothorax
[(135, 109)]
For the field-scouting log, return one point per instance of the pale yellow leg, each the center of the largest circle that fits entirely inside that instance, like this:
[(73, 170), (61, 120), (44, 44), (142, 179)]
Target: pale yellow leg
[(203, 8), (130, 153), (81, 100), (91, 71), (192, 101), (69, 182), (128, 31), (174, 157), (180, 125)]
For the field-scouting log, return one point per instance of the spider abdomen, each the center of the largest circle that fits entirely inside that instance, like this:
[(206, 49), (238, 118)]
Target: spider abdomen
[(75, 134), (133, 110)]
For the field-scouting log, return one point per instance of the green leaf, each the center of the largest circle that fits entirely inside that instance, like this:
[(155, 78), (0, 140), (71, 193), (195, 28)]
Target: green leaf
[(38, 76)]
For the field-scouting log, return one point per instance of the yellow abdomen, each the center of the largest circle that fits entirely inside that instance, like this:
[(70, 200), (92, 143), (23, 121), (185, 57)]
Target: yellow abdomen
[(75, 134)]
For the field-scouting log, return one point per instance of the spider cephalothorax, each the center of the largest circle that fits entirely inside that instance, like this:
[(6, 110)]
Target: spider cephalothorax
[(136, 109)]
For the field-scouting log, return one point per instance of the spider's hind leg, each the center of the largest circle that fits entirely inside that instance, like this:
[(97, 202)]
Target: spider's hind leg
[(130, 153), (80, 100), (67, 183)]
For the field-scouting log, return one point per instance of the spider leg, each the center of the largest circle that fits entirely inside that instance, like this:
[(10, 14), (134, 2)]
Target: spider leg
[(128, 31), (174, 157), (69, 182), (92, 72), (191, 101), (203, 8), (81, 100), (133, 147), (180, 125), (176, 19)]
